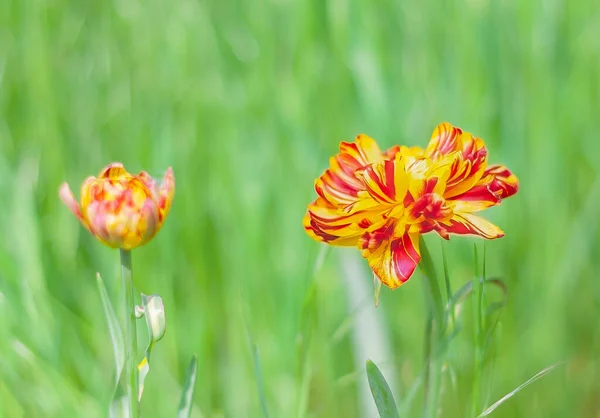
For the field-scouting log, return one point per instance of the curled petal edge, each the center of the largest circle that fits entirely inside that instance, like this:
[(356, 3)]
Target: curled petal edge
[(68, 198)]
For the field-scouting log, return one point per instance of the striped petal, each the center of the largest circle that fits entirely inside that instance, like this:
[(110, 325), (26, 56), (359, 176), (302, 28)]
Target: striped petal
[(392, 259), (503, 183), (496, 184), (387, 182), (468, 153), (470, 224), (327, 223), (339, 184), (364, 150), (478, 198)]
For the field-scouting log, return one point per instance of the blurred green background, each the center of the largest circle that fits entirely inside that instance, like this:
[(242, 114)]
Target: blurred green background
[(247, 100)]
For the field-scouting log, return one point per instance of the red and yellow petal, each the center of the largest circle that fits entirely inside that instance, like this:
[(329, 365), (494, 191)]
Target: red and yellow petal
[(470, 224), (496, 184), (468, 157), (363, 151), (339, 184), (392, 259), (387, 182), (327, 223), (502, 181), (478, 198), (445, 140)]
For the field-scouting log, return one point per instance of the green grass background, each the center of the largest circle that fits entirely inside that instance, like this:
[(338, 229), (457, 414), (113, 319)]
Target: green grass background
[(247, 100)]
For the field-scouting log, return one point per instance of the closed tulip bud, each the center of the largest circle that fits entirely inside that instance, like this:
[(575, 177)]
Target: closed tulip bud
[(122, 210)]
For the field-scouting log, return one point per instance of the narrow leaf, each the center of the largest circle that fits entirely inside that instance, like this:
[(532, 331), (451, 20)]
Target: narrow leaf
[(116, 335), (187, 396), (519, 388), (260, 384), (384, 400), (260, 381), (119, 406)]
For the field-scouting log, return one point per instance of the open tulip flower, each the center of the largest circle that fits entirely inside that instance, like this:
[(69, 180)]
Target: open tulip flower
[(121, 209), (381, 202)]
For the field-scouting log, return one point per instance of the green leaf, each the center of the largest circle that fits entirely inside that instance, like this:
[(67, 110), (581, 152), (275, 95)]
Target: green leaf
[(512, 393), (114, 330), (381, 392), (154, 312), (119, 406), (185, 404)]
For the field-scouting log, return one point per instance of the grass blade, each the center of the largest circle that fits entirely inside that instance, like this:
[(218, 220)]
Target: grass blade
[(187, 396), (452, 314), (478, 340), (119, 406), (260, 384), (260, 381), (381, 392), (116, 335), (519, 388)]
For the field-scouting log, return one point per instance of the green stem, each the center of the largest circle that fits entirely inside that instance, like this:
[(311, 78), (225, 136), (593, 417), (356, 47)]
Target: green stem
[(131, 367), (434, 295), (451, 319), (477, 337), (434, 343)]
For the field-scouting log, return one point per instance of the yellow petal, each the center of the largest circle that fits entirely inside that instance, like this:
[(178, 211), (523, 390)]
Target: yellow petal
[(112, 170)]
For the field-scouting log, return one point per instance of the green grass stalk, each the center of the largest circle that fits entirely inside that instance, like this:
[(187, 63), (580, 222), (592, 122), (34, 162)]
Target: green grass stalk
[(477, 336), (434, 344)]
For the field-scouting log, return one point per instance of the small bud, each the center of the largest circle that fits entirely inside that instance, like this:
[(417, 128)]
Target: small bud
[(154, 311)]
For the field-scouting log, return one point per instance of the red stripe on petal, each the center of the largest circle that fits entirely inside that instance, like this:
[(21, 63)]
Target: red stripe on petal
[(393, 260), (503, 183), (477, 199), (469, 224), (376, 182)]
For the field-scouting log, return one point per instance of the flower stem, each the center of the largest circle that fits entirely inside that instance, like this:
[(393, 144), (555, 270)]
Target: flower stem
[(434, 344), (131, 369), (434, 295), (478, 334)]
